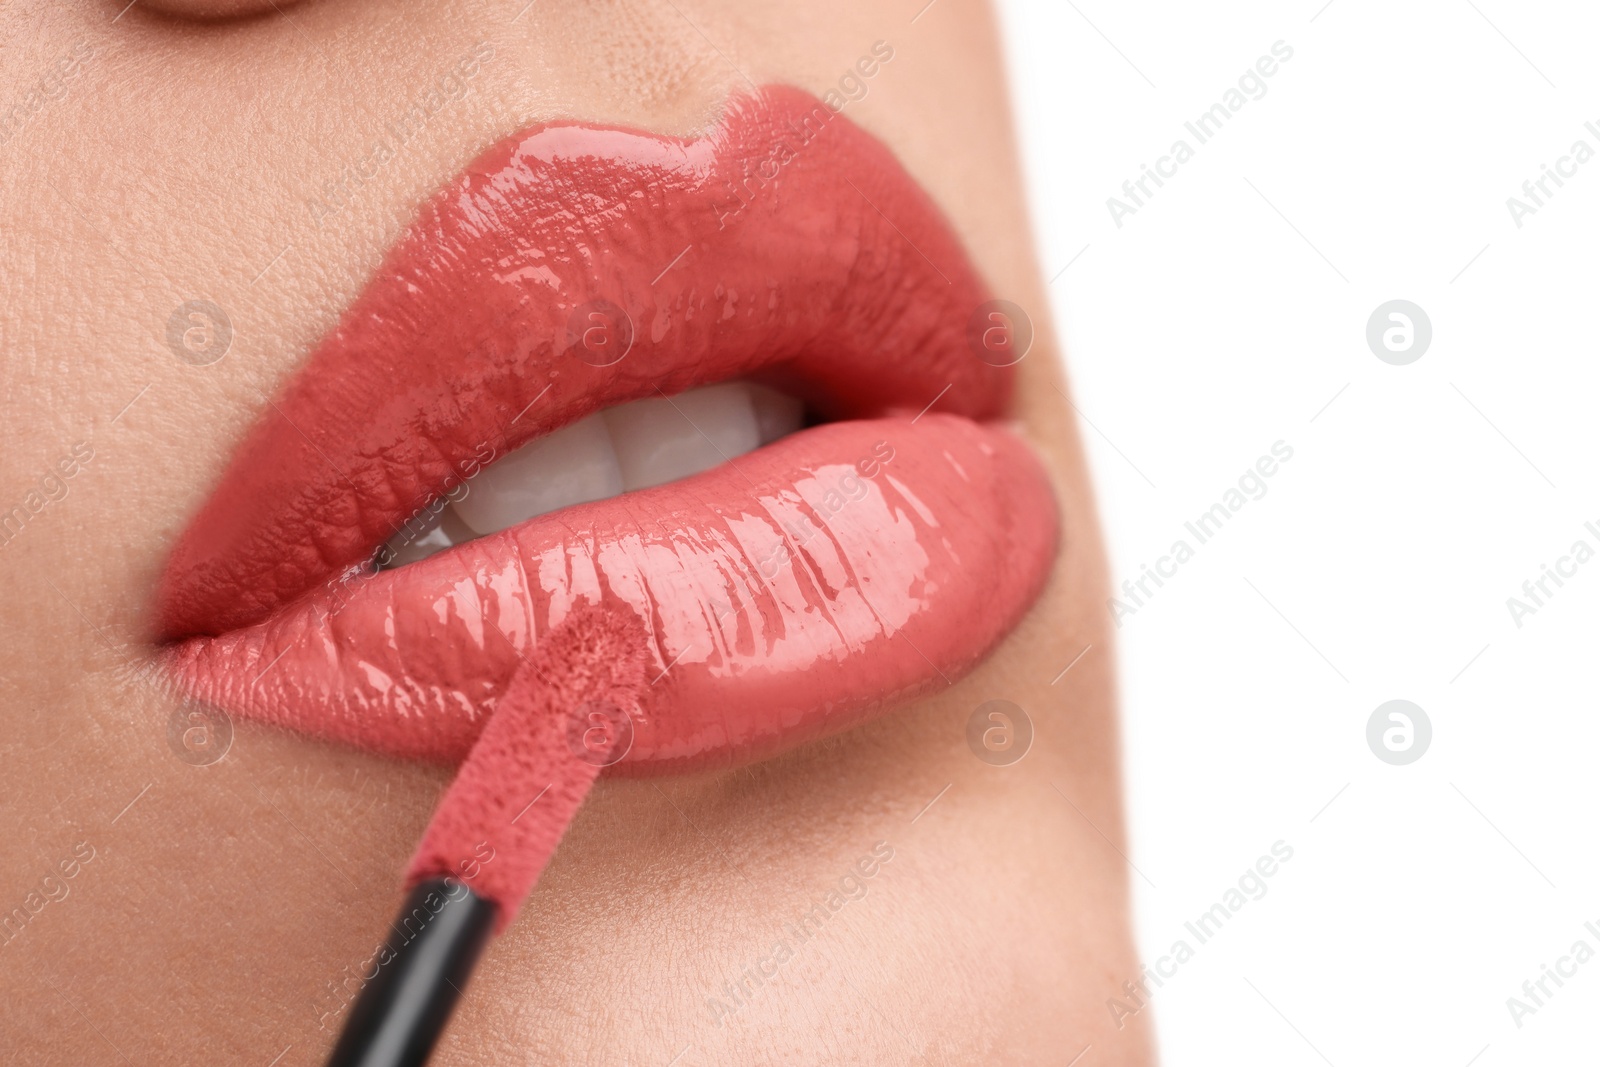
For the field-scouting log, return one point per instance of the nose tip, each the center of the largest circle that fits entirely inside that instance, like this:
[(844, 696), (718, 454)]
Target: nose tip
[(212, 10)]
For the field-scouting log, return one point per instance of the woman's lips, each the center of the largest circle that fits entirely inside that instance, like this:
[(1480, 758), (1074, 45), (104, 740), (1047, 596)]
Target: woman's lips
[(790, 592)]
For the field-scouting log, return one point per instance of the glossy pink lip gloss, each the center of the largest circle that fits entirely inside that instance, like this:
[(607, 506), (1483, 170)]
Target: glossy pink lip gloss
[(787, 594)]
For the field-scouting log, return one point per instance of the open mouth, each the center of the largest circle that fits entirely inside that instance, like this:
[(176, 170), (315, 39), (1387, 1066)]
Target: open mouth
[(728, 384), (633, 446)]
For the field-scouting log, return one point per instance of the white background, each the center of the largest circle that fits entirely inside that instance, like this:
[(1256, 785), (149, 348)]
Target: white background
[(1230, 313)]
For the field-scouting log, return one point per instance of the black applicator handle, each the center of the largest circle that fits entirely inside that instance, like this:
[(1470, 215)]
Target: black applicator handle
[(400, 1013)]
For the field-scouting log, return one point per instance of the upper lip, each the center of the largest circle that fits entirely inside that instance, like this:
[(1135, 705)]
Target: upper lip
[(788, 246), (864, 314)]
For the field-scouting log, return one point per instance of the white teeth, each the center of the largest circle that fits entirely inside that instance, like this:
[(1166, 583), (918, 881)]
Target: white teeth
[(574, 465), (660, 440), (633, 446), (777, 414), (420, 541), (423, 536)]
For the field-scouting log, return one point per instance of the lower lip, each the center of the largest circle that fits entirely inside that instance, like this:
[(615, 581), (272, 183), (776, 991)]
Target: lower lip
[(791, 593)]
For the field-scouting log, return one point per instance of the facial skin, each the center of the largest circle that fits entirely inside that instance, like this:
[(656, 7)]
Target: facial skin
[(213, 911)]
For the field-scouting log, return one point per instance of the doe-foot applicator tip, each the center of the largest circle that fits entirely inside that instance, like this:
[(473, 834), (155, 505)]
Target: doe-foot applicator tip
[(567, 713)]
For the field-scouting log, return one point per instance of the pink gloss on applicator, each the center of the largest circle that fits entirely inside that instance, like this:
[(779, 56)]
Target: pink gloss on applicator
[(566, 714)]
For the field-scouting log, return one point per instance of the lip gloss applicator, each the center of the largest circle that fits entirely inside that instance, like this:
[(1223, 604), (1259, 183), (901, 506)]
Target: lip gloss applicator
[(566, 714)]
